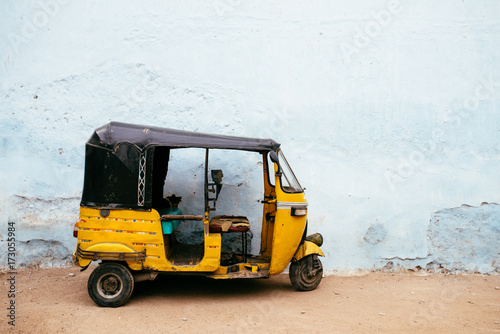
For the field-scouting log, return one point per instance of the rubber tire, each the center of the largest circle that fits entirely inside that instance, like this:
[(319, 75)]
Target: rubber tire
[(117, 273), (299, 278)]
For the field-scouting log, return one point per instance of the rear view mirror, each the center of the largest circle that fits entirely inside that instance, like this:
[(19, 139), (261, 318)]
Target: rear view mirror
[(217, 176), (273, 156)]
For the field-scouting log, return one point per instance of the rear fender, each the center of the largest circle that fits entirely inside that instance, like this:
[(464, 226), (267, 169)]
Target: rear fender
[(114, 249)]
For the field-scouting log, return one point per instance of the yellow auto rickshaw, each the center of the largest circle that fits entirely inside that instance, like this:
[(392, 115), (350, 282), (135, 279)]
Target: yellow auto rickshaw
[(128, 225)]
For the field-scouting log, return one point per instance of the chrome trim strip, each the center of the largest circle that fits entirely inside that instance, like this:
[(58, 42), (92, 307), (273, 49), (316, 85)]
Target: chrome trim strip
[(289, 205)]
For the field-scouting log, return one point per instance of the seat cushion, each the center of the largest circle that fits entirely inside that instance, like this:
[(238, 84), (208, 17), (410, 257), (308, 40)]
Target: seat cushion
[(220, 224)]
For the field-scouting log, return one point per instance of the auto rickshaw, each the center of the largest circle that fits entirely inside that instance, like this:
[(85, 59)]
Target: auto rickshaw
[(129, 227)]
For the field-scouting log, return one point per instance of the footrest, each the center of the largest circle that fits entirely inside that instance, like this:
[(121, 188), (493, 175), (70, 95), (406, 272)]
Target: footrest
[(251, 267)]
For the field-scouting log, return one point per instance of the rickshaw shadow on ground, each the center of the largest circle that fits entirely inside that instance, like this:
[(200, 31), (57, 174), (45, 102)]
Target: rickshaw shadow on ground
[(186, 286)]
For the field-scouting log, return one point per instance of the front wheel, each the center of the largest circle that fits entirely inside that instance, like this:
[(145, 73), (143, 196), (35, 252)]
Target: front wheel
[(306, 274), (110, 285)]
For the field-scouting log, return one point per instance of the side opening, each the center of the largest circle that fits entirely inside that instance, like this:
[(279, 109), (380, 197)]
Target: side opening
[(178, 190)]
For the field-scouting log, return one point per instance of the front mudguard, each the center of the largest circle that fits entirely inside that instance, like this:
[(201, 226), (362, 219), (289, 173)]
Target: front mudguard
[(305, 249)]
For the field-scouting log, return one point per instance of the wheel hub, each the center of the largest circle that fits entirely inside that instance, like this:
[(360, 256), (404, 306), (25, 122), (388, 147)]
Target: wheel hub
[(315, 268), (109, 286)]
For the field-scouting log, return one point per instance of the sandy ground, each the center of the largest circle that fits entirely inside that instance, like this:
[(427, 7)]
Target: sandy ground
[(55, 301)]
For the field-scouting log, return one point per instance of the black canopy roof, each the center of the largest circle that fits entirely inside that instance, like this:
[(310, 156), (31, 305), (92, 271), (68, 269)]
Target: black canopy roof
[(141, 136), (126, 164)]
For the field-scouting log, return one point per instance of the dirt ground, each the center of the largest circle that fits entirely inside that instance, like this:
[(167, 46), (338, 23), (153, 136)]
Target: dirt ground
[(56, 301)]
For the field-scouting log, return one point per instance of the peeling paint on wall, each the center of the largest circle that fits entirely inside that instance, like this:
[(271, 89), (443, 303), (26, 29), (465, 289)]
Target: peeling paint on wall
[(43, 253), (466, 238), (43, 230), (461, 239), (375, 234)]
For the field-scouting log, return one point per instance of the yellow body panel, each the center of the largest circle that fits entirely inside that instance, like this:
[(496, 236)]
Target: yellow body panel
[(288, 229), (126, 230), (307, 248), (110, 247)]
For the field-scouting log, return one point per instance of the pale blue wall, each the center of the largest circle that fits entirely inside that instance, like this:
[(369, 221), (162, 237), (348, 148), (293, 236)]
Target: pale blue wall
[(387, 110)]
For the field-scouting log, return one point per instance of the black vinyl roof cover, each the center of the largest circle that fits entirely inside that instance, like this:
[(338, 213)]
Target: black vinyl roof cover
[(120, 159), (114, 133)]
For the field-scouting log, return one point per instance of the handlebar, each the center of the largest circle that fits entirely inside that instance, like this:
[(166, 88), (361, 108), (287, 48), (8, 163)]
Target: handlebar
[(268, 201)]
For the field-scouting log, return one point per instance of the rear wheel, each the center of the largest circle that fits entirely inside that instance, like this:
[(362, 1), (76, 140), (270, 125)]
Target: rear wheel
[(306, 274), (110, 285)]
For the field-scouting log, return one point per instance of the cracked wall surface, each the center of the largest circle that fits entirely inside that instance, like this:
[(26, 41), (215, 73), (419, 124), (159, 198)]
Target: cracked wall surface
[(466, 238), (390, 130), (43, 230)]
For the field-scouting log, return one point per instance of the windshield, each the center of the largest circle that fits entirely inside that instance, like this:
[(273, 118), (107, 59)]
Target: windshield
[(289, 182)]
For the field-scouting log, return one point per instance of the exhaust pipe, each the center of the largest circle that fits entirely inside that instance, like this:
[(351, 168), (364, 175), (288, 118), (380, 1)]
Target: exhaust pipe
[(147, 276)]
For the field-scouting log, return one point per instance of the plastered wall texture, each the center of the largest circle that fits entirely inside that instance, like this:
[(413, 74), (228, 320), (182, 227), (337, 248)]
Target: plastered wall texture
[(388, 111)]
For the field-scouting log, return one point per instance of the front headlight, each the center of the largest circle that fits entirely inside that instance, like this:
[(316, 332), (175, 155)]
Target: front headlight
[(299, 212)]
